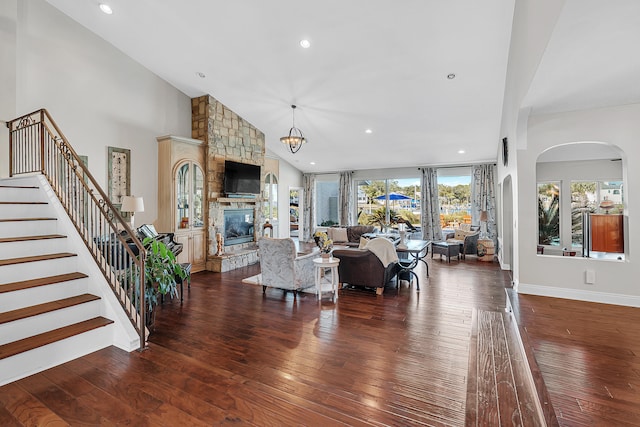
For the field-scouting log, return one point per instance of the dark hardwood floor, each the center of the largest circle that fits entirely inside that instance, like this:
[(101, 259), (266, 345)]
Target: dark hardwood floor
[(589, 357), (231, 355)]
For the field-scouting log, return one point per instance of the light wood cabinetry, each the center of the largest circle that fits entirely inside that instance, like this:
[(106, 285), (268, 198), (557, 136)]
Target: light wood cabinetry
[(182, 196), (607, 233)]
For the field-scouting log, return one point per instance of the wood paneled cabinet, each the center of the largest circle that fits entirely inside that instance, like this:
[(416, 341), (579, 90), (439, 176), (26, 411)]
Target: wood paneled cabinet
[(182, 196), (193, 248), (607, 233)]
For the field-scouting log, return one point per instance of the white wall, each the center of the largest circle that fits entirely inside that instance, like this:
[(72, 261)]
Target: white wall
[(98, 96), (562, 276), (586, 170), (8, 17), (533, 24)]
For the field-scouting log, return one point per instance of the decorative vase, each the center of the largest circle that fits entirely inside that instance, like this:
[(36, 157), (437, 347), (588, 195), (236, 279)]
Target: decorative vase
[(325, 255)]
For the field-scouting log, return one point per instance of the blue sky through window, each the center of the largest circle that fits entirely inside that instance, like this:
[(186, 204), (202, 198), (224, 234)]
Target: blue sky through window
[(454, 180)]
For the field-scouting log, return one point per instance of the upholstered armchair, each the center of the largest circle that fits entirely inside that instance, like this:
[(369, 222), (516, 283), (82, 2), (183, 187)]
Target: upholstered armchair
[(282, 268), (468, 241)]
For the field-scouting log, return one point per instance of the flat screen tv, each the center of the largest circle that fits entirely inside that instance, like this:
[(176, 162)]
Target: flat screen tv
[(241, 178)]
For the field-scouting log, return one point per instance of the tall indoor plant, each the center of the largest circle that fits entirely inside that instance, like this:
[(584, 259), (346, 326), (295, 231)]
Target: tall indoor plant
[(161, 270)]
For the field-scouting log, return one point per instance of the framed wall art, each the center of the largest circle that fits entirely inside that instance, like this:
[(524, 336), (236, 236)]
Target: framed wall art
[(119, 174)]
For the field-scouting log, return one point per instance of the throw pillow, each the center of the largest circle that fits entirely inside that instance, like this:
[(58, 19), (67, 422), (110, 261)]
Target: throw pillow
[(363, 243), (339, 235), (460, 235), (465, 227)]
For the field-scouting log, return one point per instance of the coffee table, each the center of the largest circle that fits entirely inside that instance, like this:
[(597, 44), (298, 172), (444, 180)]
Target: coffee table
[(445, 248)]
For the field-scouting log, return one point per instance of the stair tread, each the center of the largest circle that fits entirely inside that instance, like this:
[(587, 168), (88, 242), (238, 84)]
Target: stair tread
[(33, 187), (28, 219), (30, 343), (24, 203), (44, 257), (28, 238), (41, 281), (46, 307)]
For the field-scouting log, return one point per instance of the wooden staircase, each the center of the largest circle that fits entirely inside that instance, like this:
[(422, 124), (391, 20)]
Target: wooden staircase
[(47, 314)]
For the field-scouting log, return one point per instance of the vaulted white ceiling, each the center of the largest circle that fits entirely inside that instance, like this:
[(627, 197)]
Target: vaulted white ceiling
[(376, 65), (592, 59)]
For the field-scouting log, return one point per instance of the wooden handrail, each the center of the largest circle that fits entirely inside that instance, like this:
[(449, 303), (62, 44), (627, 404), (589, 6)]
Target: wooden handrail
[(36, 144)]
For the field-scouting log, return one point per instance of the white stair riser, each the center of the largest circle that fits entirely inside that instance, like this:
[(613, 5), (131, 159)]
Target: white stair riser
[(24, 211), (41, 294), (121, 333), (19, 194), (32, 247), (28, 228), (34, 270), (34, 325), (36, 360)]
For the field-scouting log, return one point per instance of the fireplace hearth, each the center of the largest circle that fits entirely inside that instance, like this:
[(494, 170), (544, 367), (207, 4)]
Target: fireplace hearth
[(238, 226)]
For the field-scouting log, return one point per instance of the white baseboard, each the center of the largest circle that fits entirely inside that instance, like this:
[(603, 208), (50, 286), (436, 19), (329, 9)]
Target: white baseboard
[(503, 265), (579, 294)]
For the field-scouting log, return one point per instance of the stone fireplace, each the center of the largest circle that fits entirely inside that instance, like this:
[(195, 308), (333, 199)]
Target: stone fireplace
[(228, 137), (238, 226)]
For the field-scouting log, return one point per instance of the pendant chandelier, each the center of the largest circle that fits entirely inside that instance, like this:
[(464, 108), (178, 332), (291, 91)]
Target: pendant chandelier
[(295, 139)]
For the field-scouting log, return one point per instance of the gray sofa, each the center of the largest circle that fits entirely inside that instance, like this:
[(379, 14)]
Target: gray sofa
[(353, 234)]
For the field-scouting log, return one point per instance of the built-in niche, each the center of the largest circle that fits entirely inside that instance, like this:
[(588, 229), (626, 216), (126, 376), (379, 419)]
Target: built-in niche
[(581, 201)]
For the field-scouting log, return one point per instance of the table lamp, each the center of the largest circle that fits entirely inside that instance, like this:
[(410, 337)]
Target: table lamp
[(132, 204)]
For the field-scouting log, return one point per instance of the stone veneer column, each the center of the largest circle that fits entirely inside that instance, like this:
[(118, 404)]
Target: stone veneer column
[(227, 137)]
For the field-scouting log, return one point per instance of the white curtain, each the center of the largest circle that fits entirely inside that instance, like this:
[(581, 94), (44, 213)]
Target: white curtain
[(308, 215), (430, 206), (345, 199), (483, 197)]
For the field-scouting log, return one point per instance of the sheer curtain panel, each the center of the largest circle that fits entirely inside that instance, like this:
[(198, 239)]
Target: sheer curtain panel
[(430, 206), (345, 198), (308, 216)]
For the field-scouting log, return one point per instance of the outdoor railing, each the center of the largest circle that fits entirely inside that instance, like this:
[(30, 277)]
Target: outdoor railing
[(37, 145)]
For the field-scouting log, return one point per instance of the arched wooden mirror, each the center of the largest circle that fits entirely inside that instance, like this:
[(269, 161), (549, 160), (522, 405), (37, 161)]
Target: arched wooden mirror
[(581, 201)]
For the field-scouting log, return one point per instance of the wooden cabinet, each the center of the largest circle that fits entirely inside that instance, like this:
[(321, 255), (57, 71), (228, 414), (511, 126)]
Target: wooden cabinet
[(607, 233), (193, 248), (182, 201)]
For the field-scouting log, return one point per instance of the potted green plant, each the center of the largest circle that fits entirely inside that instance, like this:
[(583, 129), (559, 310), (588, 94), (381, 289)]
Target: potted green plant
[(161, 272)]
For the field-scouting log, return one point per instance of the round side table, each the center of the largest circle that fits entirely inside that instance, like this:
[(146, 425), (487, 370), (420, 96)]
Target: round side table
[(321, 264)]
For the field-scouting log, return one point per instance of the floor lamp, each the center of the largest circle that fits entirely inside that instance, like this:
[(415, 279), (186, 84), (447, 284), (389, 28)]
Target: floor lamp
[(132, 204)]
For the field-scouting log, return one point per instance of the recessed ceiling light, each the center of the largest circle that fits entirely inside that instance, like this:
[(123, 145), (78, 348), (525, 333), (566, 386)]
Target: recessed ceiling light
[(201, 74), (305, 43), (451, 76), (312, 163), (368, 131), (106, 8), (460, 151)]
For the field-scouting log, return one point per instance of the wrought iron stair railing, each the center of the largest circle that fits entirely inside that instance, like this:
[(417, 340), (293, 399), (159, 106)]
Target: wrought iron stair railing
[(36, 145)]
